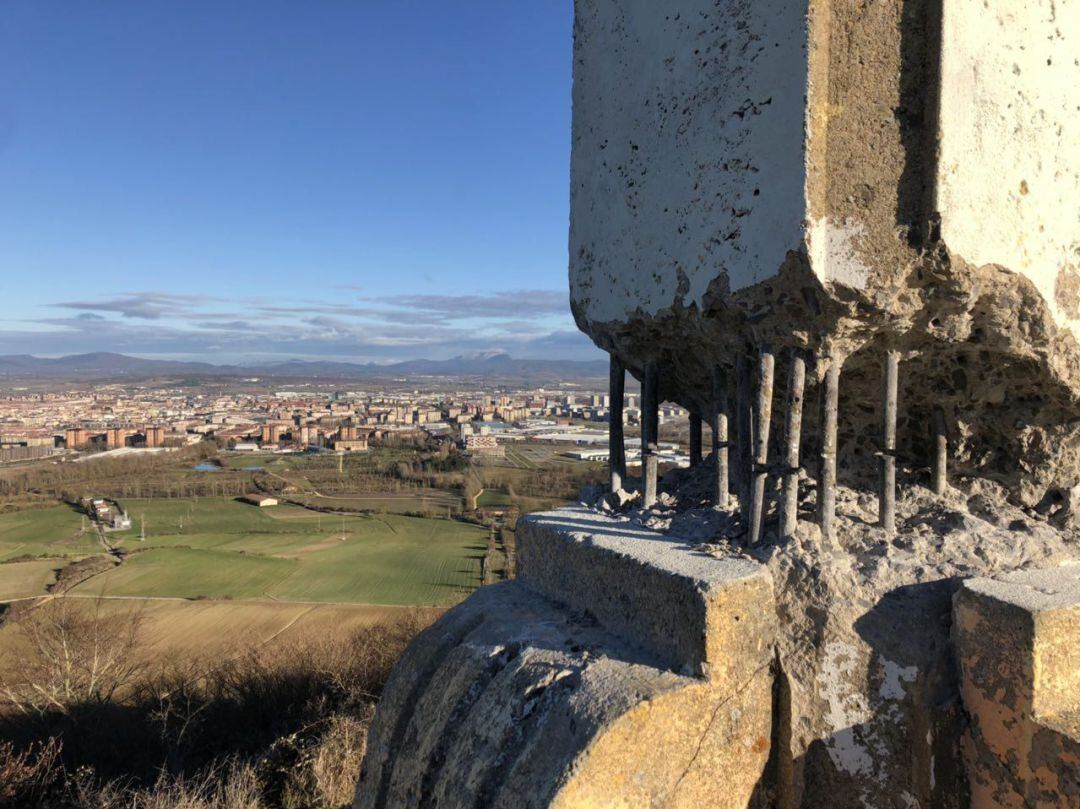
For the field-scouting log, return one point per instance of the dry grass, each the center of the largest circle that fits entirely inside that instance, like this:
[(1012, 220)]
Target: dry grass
[(283, 725), (233, 787)]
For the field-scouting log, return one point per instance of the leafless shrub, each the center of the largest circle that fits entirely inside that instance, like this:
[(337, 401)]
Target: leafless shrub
[(322, 770), (78, 657), (27, 776), (284, 724)]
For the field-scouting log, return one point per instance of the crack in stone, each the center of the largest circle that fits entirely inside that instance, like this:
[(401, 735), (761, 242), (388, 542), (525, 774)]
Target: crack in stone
[(708, 729)]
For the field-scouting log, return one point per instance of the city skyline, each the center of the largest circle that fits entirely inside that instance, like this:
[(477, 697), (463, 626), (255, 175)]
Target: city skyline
[(364, 184)]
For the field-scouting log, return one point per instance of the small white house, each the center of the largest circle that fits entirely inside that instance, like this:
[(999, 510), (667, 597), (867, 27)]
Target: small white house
[(260, 500)]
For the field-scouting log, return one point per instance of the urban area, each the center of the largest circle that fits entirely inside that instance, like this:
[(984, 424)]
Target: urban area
[(120, 419)]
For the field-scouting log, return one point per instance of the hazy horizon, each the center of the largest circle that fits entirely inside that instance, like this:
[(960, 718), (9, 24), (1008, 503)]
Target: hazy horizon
[(254, 360), (262, 180)]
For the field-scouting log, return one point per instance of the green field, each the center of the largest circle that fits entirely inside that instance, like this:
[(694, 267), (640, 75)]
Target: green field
[(491, 498), (434, 501), (256, 460), (54, 531), (215, 547), (26, 579)]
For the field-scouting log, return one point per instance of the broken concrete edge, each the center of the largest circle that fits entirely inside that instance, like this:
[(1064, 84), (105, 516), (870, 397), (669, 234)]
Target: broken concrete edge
[(1044, 604), (1016, 647), (1033, 591), (699, 613), (618, 641)]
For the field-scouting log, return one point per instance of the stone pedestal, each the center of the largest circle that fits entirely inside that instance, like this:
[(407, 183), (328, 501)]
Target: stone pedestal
[(628, 668), (1018, 645), (622, 668)]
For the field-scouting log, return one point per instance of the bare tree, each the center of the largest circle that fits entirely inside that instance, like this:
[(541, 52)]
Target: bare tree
[(77, 654)]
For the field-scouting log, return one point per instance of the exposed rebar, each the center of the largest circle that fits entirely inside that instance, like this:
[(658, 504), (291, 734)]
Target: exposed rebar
[(762, 417), (887, 498), (830, 406), (744, 432), (650, 408), (789, 502), (695, 439), (720, 437), (941, 453), (616, 446), (648, 471)]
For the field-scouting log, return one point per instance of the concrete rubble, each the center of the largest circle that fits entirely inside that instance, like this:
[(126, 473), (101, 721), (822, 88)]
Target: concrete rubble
[(866, 659)]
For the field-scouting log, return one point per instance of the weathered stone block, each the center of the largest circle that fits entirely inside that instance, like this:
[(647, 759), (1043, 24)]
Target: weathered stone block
[(539, 694), (1018, 646), (651, 589)]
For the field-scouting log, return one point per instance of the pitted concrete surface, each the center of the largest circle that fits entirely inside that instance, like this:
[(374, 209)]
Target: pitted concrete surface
[(687, 156), (843, 179), (1034, 591), (1016, 101)]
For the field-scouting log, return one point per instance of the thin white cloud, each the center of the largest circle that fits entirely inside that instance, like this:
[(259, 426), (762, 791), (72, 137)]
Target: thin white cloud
[(529, 323)]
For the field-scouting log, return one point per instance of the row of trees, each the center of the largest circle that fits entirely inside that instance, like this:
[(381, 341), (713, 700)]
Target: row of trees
[(141, 475)]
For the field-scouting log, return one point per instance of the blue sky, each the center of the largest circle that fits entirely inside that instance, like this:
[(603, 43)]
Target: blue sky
[(365, 180)]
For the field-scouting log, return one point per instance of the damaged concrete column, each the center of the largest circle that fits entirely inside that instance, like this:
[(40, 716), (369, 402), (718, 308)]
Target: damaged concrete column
[(650, 410), (695, 439), (745, 179), (616, 442)]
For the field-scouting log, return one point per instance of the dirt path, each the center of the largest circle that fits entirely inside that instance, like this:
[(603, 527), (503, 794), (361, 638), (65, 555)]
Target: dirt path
[(256, 601)]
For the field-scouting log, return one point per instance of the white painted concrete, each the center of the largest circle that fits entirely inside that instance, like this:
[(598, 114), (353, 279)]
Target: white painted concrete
[(834, 252), (1010, 126), (689, 162), (688, 149)]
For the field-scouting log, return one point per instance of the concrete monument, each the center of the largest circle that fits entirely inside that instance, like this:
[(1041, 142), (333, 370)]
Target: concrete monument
[(844, 234)]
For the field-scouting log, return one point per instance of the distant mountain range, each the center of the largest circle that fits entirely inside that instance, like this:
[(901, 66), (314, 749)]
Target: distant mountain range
[(491, 365)]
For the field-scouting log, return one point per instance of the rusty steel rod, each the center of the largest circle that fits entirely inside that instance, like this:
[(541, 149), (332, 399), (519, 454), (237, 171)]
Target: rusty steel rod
[(720, 437), (887, 498), (830, 407), (789, 502), (762, 417)]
